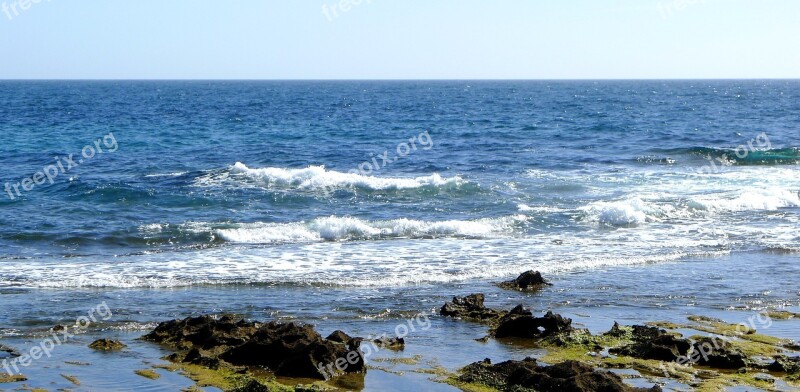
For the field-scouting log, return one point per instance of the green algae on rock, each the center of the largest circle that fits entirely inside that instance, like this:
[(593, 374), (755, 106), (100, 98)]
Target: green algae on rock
[(107, 345), (528, 375)]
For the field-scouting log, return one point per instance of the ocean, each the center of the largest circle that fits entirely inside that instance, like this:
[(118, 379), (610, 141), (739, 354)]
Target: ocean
[(341, 202)]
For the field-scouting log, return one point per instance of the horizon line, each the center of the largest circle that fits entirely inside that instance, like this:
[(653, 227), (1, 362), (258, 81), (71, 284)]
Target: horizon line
[(378, 79)]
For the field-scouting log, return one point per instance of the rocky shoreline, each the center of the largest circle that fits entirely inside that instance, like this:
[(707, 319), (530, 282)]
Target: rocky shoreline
[(234, 354)]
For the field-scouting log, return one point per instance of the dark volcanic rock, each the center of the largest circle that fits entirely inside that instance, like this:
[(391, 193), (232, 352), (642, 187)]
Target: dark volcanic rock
[(291, 350), (520, 311), (288, 349), (107, 345), (521, 325), (204, 332), (569, 376), (527, 281), (339, 336), (395, 344), (252, 386), (652, 343), (469, 307), (718, 353), (197, 357), (790, 365)]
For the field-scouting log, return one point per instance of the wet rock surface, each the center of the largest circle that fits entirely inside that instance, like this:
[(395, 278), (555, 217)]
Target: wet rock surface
[(288, 349), (8, 352), (718, 353), (785, 364), (527, 281), (651, 343), (107, 345), (470, 307), (528, 375), (253, 386), (204, 332), (395, 344), (520, 323)]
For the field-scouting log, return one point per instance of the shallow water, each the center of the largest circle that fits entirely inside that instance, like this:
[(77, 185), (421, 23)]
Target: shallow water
[(724, 287)]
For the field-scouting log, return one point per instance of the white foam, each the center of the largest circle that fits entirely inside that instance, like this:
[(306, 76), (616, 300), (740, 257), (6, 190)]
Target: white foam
[(175, 174), (626, 212), (751, 200), (319, 178), (335, 228), (538, 209)]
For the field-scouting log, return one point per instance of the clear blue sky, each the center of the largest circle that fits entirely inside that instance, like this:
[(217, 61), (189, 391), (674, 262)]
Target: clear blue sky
[(399, 39)]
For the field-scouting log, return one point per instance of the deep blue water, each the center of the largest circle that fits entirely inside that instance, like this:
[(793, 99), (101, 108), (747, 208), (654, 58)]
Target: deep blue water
[(242, 182)]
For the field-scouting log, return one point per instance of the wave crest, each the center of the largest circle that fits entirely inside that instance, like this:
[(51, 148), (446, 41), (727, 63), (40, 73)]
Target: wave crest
[(317, 178), (335, 228)]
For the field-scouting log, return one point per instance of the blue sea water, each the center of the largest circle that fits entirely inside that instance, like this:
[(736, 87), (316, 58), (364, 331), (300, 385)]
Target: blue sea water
[(354, 205), (387, 183)]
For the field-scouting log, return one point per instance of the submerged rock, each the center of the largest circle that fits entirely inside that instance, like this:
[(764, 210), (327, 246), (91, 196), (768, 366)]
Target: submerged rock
[(651, 343), (520, 323), (107, 345), (568, 376), (288, 349), (527, 281), (8, 352), (469, 307)]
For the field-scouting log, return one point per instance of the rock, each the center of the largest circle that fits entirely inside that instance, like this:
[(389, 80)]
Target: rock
[(288, 349), (8, 378), (197, 357), (530, 327), (569, 376), (469, 307), (527, 281), (312, 388), (395, 344), (204, 332), (764, 378), (293, 350), (619, 331), (107, 345), (520, 311), (9, 351), (784, 364), (252, 386), (339, 336), (651, 343), (718, 353)]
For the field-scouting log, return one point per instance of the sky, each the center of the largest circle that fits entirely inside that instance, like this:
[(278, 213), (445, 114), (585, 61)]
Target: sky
[(399, 39)]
